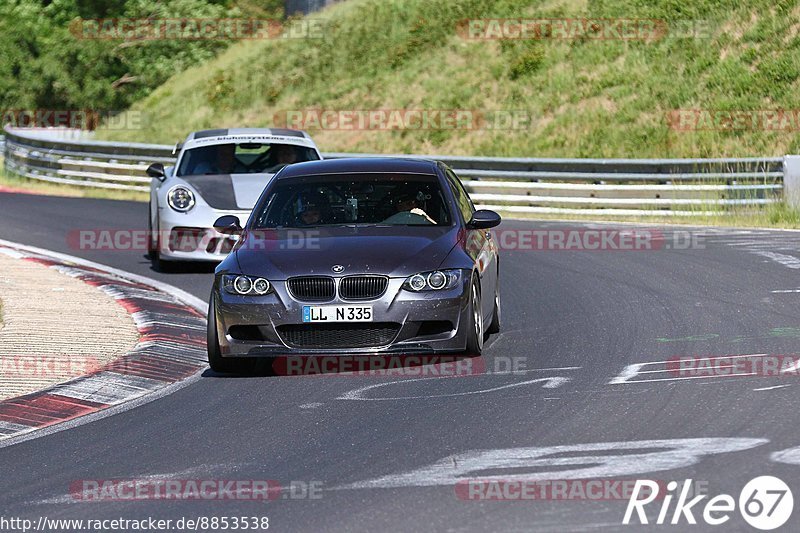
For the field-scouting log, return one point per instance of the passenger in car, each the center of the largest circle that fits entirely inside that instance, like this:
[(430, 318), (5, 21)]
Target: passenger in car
[(408, 211)]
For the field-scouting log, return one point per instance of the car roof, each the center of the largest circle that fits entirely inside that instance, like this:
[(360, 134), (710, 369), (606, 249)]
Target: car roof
[(254, 135), (350, 165), (223, 132)]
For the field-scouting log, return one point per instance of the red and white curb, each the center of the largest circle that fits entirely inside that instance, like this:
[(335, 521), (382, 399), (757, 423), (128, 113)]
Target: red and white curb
[(171, 347)]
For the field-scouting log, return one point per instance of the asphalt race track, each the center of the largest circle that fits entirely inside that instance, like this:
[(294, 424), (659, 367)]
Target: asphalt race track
[(385, 457)]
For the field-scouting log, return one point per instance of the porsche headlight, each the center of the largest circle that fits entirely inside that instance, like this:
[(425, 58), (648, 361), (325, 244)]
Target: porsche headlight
[(245, 285), (180, 198), (433, 281)]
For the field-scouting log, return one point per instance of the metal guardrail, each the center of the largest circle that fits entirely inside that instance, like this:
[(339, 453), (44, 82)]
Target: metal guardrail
[(511, 185)]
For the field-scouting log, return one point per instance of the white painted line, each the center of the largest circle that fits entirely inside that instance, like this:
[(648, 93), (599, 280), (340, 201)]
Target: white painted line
[(794, 368), (790, 456), (783, 291), (771, 388), (692, 377), (711, 358), (789, 261), (488, 373), (716, 367), (627, 373), (11, 253), (588, 461), (633, 370), (358, 394)]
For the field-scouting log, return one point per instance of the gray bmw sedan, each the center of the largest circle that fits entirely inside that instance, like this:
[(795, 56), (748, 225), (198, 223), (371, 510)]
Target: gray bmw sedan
[(362, 256)]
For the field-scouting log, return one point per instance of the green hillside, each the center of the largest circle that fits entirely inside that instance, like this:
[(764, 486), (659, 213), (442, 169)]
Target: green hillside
[(588, 97)]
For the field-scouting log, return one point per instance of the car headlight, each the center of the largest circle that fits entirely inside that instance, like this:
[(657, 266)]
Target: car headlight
[(433, 281), (245, 285), (180, 198)]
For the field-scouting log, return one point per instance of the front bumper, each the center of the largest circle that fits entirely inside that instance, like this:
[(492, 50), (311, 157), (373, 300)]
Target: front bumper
[(191, 237), (425, 322)]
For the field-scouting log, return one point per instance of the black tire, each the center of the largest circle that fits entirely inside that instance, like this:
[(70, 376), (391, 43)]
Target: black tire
[(475, 332), (152, 245), (494, 326), (159, 264), (215, 359)]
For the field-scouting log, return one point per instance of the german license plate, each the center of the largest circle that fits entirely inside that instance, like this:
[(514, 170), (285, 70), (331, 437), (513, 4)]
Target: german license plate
[(337, 313)]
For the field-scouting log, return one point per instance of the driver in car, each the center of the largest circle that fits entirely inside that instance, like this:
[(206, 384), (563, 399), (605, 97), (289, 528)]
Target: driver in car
[(222, 160), (311, 212)]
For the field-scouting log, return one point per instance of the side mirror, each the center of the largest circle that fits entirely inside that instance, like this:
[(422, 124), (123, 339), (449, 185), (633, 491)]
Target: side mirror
[(228, 224), (484, 219), (156, 170)]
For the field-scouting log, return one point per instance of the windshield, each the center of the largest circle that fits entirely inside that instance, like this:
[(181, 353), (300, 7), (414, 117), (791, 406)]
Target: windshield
[(242, 158), (369, 199)]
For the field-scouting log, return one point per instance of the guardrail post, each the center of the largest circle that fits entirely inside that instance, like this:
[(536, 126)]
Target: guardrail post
[(791, 180)]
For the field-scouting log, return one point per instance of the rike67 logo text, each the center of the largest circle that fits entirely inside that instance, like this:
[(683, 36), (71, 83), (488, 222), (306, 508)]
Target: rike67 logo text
[(765, 503)]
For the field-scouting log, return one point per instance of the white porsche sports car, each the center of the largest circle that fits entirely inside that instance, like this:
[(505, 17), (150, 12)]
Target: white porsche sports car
[(217, 172)]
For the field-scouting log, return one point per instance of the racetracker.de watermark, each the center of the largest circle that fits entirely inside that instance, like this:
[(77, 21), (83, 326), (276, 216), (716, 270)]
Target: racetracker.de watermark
[(619, 29), (734, 120), (597, 240), (80, 119), (395, 366), (403, 119), (535, 240), (604, 489), (196, 29), (191, 240), (150, 488), (47, 366), (763, 365)]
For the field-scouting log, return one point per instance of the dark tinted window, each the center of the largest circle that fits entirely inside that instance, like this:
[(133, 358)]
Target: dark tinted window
[(382, 199), (243, 158), (461, 196)]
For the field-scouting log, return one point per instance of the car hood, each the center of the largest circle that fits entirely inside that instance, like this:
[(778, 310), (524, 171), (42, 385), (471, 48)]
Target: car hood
[(229, 191), (393, 251)]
